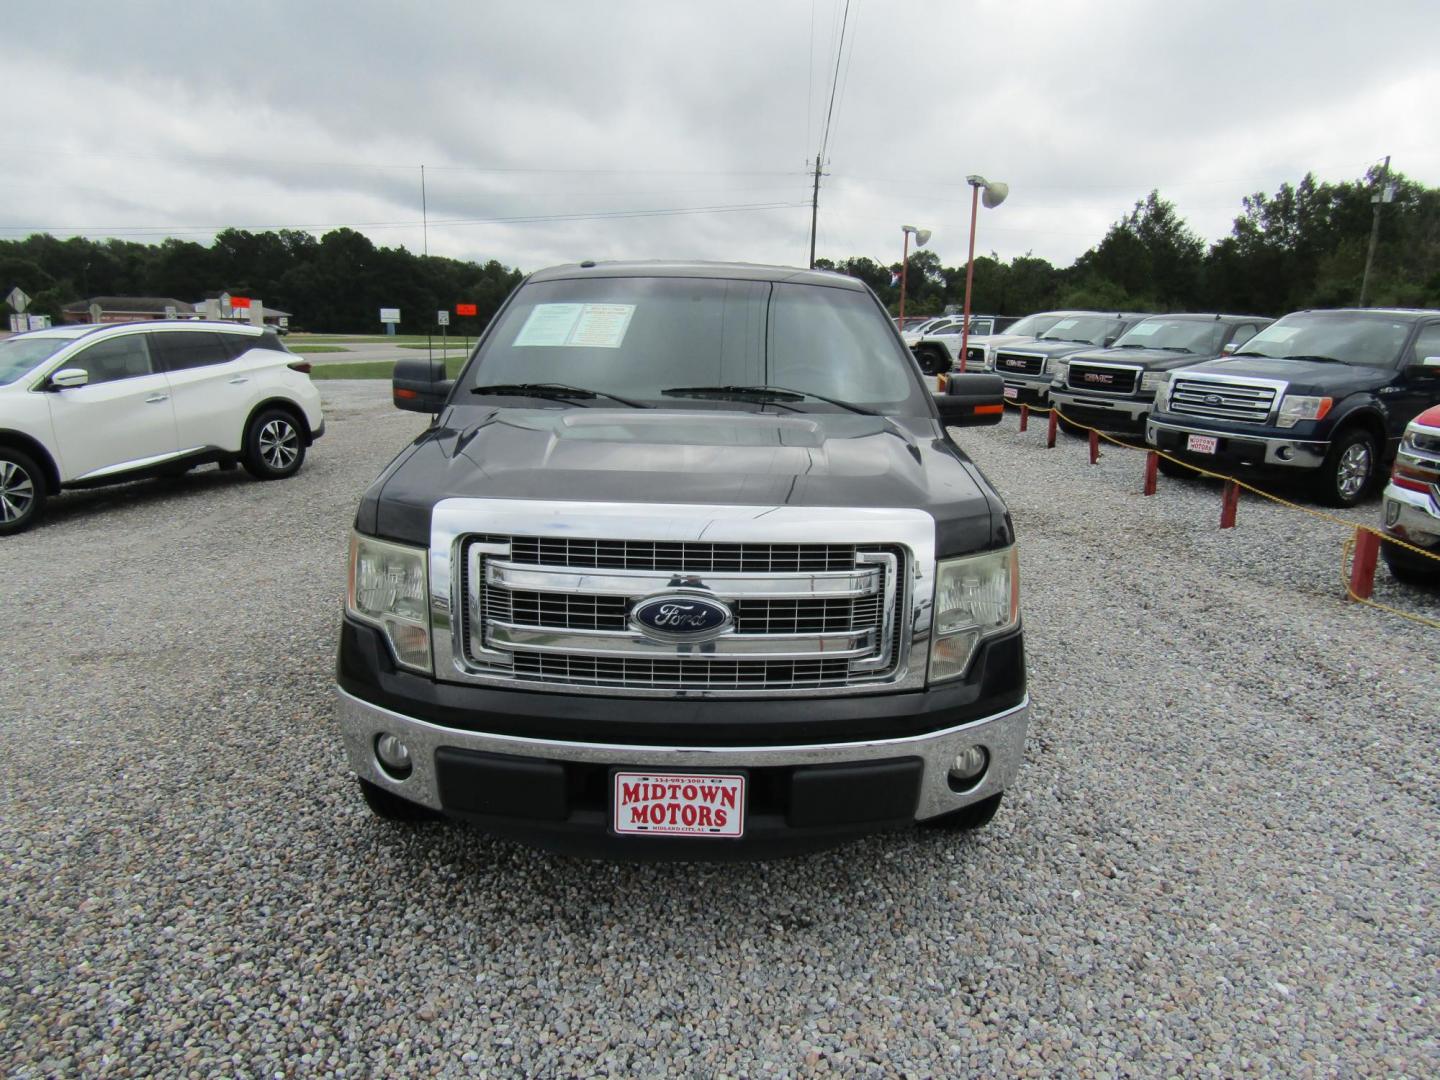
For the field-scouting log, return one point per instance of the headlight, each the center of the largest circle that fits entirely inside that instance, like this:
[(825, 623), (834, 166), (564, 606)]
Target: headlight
[(976, 598), (1294, 408), (1154, 381), (389, 588), (1060, 369)]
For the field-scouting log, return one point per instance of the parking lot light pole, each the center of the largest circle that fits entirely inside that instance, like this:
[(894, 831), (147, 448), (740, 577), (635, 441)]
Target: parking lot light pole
[(995, 193), (922, 237)]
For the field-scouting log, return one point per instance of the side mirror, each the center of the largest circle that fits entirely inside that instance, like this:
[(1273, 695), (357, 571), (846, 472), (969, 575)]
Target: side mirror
[(420, 385), (972, 401), (1430, 362), (1230, 347), (1110, 339), (69, 378)]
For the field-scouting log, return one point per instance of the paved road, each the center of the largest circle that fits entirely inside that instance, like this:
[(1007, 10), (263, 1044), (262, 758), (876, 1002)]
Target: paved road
[(378, 351)]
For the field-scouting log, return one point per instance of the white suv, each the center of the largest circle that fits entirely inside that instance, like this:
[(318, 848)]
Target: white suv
[(82, 406)]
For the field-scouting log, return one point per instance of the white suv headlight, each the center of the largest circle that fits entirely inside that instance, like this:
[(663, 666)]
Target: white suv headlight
[(976, 597), (389, 588)]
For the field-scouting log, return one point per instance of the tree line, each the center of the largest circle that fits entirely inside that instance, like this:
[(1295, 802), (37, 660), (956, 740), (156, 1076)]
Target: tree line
[(1304, 246)]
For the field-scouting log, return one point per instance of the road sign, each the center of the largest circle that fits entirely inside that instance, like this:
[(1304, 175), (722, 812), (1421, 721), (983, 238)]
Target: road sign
[(443, 318), (169, 311), (17, 299), (390, 314), (465, 309)]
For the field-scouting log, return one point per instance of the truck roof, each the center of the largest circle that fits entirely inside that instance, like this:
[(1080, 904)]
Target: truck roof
[(670, 268)]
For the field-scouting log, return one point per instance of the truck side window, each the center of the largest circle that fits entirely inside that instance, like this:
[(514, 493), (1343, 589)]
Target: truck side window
[(1243, 333), (1427, 343)]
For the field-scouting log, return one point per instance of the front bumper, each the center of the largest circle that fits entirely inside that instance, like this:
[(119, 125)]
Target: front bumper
[(1413, 516), (1238, 449), (798, 793), (1118, 414), (1025, 391)]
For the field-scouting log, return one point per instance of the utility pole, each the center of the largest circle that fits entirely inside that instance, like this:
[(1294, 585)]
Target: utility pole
[(1380, 198), (424, 214), (814, 211)]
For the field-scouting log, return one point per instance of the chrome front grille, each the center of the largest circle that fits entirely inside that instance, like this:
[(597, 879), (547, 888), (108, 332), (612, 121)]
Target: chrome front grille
[(557, 610), (1243, 402)]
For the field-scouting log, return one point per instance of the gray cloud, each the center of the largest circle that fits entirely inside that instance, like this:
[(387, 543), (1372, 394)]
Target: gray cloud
[(142, 122)]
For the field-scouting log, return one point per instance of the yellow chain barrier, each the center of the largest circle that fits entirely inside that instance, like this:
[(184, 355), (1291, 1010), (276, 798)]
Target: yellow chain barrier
[(1345, 551)]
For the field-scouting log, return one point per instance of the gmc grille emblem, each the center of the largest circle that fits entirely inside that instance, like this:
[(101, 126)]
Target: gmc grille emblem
[(1098, 377)]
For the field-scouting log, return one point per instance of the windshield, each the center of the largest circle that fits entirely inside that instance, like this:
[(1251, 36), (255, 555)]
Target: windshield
[(20, 354), (1034, 325), (637, 337), (1086, 329), (1351, 338), (1188, 335)]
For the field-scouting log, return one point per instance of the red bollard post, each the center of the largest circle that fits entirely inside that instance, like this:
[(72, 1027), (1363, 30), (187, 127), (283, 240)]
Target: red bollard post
[(1024, 416), (1050, 434), (1152, 467), (1094, 447), (1362, 566), (1228, 504)]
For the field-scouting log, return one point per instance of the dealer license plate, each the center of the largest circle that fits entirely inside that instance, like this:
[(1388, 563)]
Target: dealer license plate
[(1012, 392), (1202, 444), (667, 804)]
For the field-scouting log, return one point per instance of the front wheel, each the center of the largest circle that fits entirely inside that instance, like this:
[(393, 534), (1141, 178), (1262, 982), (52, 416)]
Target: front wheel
[(1349, 469), (22, 491), (274, 446), (1411, 569), (933, 360)]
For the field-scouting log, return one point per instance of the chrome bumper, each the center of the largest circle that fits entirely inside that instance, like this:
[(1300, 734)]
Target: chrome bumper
[(1002, 734), (1413, 516), (1289, 453)]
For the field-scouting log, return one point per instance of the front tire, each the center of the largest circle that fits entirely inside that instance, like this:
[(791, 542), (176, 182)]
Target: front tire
[(933, 360), (1410, 569), (22, 491), (274, 445), (1348, 472)]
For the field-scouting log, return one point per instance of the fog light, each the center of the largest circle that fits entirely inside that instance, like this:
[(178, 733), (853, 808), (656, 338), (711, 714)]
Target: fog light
[(1285, 453), (393, 755), (969, 764)]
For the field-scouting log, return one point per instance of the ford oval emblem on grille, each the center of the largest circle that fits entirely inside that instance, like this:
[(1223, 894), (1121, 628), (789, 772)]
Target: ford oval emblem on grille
[(681, 617)]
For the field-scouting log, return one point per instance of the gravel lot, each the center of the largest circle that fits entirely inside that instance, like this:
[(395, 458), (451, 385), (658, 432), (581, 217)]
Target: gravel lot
[(1220, 858)]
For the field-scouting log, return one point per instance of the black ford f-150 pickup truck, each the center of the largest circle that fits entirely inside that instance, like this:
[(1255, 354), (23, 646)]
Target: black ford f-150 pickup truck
[(1325, 391), (1114, 389), (687, 565)]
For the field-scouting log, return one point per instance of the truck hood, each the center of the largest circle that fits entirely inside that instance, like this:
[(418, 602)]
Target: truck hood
[(1148, 359), (1303, 376), (1049, 348), (707, 456)]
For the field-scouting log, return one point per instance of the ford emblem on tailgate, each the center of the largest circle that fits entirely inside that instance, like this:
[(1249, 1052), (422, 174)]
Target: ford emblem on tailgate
[(679, 617)]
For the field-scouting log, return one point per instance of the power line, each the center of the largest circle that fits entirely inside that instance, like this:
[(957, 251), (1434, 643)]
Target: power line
[(825, 139)]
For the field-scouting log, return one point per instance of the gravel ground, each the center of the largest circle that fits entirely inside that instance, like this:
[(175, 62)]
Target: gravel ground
[(1219, 860)]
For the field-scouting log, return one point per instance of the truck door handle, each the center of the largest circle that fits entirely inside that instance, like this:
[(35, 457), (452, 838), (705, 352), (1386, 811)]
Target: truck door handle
[(238, 380), (157, 399)]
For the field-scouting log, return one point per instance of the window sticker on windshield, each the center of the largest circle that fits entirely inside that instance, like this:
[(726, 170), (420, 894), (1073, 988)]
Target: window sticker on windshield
[(602, 326), (589, 326), (1144, 329), (1279, 333), (1064, 324)]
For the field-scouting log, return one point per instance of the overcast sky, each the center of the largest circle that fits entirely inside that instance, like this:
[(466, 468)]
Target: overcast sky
[(146, 120)]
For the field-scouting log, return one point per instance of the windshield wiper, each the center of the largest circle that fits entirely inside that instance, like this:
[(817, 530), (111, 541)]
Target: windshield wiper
[(761, 393), (1174, 348), (1320, 359), (556, 392)]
